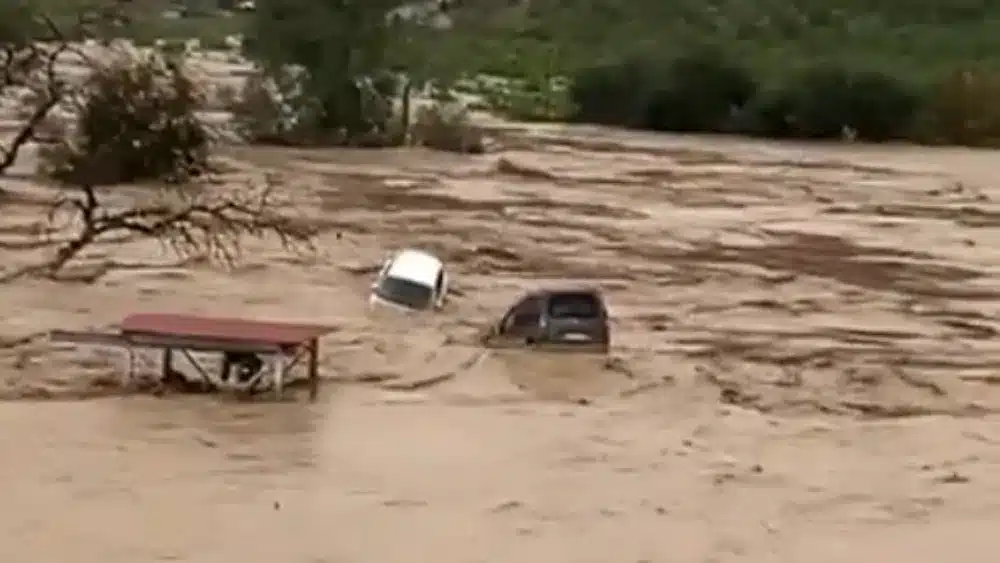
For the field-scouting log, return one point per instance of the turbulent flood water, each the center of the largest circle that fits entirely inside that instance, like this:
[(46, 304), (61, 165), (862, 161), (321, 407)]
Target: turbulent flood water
[(119, 481), (803, 368)]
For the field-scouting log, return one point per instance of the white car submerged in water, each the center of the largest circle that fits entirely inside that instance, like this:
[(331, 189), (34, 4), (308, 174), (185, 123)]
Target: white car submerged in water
[(410, 280)]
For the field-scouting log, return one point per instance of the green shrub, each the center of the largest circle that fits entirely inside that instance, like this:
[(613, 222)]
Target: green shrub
[(522, 100), (614, 93), (706, 91), (831, 102), (340, 47), (136, 120), (271, 108), (963, 109), (702, 91), (446, 126)]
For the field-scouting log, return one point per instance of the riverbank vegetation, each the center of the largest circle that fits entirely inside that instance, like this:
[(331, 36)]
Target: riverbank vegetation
[(872, 70)]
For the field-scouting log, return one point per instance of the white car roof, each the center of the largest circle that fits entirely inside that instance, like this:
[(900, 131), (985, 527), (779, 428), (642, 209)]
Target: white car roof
[(416, 266)]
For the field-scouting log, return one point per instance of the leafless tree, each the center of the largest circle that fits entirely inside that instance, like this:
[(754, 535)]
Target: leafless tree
[(30, 67), (192, 222), (193, 218)]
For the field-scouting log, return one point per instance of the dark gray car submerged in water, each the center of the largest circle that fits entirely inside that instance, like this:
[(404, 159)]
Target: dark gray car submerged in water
[(570, 320)]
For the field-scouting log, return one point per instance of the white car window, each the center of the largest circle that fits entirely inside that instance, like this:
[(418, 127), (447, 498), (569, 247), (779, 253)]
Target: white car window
[(404, 292)]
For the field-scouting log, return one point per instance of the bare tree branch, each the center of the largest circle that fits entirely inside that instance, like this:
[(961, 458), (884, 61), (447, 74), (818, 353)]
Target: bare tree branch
[(33, 66), (52, 91), (188, 226), (191, 220)]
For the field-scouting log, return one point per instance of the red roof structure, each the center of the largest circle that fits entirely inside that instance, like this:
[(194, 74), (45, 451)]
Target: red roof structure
[(192, 326), (192, 333)]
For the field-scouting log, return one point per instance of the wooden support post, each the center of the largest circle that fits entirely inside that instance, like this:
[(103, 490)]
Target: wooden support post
[(313, 369), (167, 365), (281, 364), (130, 366)]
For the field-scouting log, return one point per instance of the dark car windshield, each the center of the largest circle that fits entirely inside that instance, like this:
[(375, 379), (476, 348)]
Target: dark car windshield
[(404, 292), (574, 305)]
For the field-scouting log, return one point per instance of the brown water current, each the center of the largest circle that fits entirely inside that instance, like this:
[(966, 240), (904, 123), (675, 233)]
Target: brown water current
[(805, 367)]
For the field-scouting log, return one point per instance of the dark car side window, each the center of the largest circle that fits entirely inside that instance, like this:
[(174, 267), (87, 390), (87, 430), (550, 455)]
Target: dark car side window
[(523, 315)]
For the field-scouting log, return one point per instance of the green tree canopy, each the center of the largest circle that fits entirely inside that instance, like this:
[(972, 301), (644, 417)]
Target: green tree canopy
[(340, 44)]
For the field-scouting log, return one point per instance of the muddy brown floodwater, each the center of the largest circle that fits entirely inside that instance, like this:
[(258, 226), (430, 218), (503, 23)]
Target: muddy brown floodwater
[(805, 368)]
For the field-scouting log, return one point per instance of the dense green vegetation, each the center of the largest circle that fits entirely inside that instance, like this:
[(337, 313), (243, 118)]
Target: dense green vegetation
[(914, 37), (869, 69)]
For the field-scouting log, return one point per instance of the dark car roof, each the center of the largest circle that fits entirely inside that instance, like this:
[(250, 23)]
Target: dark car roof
[(549, 291)]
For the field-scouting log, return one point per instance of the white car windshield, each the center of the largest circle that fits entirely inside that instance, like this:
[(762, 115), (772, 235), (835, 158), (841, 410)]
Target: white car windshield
[(404, 292)]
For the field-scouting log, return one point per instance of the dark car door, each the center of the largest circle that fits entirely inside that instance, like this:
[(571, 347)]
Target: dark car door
[(520, 324)]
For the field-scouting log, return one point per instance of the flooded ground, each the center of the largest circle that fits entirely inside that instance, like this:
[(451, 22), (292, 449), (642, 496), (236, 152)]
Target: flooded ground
[(805, 367), (359, 479)]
